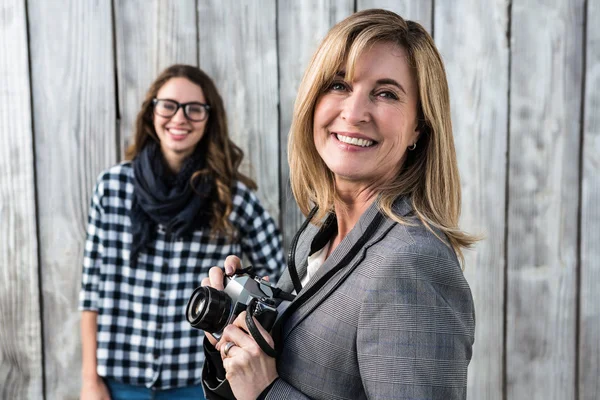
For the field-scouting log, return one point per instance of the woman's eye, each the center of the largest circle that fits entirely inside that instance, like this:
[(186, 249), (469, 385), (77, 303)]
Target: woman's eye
[(387, 95), (337, 86)]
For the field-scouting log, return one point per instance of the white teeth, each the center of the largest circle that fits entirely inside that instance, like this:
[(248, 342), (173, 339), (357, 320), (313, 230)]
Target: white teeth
[(354, 141), (178, 131)]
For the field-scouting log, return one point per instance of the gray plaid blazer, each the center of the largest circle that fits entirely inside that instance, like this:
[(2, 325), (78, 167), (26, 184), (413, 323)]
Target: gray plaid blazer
[(397, 322)]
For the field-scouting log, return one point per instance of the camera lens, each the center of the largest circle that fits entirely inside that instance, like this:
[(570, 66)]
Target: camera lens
[(208, 309), (199, 307)]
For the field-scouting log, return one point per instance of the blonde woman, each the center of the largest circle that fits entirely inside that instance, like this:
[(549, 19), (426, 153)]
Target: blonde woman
[(157, 223), (383, 310)]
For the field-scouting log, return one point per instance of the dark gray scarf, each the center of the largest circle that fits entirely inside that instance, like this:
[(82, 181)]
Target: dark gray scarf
[(159, 197)]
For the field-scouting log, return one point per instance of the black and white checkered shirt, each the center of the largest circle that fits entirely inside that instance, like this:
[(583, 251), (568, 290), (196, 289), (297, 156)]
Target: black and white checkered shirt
[(143, 335)]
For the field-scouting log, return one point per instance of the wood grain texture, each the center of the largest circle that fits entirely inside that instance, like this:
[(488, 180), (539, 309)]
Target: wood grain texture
[(238, 50), (300, 28), (420, 11), (74, 120), (257, 51), (150, 36), (472, 39), (545, 91), (589, 344), (20, 326)]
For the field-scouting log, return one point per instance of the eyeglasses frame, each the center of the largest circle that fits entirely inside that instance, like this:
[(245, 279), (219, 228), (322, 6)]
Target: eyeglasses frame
[(183, 106)]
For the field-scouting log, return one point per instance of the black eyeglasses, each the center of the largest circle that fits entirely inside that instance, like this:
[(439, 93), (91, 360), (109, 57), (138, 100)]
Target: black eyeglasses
[(194, 111)]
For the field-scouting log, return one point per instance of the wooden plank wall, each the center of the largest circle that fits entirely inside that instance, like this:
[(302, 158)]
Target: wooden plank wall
[(589, 343), (524, 78), (238, 49), (543, 197), (21, 355), (472, 38), (74, 118)]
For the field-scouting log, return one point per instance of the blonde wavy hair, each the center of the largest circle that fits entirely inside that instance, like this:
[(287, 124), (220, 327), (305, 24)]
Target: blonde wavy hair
[(223, 157), (429, 175)]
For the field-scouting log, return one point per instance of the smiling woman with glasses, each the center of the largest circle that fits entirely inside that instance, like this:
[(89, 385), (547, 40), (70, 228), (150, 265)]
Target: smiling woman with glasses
[(158, 221)]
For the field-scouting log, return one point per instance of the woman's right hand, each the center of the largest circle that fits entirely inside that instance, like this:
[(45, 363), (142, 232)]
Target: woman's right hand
[(94, 388), (216, 278)]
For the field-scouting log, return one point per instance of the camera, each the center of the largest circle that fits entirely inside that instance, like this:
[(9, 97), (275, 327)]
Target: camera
[(212, 310)]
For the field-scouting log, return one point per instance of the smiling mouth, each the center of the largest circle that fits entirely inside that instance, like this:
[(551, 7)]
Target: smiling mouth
[(178, 132), (355, 141)]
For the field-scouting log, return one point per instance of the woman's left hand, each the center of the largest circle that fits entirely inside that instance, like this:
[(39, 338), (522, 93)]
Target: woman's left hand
[(248, 369)]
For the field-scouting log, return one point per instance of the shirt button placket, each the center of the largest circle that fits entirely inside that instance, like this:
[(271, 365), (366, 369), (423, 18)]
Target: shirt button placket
[(161, 308), (164, 273)]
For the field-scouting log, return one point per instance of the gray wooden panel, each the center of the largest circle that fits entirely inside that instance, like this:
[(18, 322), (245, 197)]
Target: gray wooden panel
[(20, 327), (150, 36), (420, 11), (74, 119), (301, 25), (545, 93), (589, 344), (472, 39), (238, 50)]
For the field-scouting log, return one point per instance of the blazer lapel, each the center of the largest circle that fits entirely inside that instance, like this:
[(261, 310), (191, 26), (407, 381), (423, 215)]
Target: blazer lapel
[(401, 207)]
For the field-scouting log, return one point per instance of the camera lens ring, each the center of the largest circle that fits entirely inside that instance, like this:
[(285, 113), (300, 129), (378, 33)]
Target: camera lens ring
[(208, 309)]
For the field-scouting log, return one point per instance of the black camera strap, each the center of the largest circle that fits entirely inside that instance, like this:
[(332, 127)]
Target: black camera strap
[(250, 309), (277, 328), (282, 294), (292, 254), (255, 332), (303, 297)]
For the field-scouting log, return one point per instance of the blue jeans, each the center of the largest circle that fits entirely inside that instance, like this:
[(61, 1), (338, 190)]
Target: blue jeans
[(121, 391)]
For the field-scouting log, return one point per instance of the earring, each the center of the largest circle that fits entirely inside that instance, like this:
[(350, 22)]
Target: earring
[(414, 146)]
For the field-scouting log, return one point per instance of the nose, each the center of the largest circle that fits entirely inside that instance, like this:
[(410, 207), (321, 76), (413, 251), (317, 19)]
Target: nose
[(179, 116), (356, 108)]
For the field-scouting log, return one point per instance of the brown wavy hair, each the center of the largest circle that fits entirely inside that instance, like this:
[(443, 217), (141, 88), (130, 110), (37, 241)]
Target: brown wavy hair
[(223, 157), (429, 175)]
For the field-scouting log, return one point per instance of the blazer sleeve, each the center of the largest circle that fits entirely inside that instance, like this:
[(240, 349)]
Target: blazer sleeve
[(281, 390), (416, 326)]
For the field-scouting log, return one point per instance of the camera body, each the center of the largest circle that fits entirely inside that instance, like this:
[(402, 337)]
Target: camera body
[(212, 310)]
